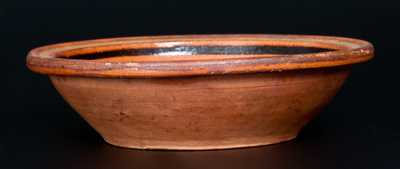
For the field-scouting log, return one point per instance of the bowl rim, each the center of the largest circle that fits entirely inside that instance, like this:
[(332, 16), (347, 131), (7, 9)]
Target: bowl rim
[(346, 51)]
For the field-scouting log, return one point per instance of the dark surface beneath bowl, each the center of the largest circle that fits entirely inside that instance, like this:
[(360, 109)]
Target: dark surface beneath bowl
[(203, 50)]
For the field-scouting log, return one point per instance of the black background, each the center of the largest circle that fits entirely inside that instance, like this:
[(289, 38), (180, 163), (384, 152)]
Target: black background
[(359, 129)]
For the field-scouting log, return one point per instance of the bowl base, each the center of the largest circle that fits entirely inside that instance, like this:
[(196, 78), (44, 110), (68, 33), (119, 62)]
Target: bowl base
[(197, 145)]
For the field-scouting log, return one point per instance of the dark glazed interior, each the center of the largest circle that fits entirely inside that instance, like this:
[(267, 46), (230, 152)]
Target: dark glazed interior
[(203, 50)]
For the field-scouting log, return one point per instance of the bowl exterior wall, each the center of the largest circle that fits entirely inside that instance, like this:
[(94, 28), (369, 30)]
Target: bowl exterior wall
[(201, 112)]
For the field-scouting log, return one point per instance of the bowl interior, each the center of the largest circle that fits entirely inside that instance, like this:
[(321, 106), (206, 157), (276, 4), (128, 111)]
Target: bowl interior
[(186, 52)]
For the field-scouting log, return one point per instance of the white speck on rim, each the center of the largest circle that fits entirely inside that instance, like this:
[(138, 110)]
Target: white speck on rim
[(168, 44), (131, 64)]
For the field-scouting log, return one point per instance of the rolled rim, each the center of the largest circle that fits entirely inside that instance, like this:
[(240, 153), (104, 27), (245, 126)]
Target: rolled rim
[(62, 58)]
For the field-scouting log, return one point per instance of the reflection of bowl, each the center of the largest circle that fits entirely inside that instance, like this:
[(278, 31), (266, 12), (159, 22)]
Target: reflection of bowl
[(200, 91)]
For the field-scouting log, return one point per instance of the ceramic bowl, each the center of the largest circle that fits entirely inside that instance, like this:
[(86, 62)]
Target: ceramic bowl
[(198, 92)]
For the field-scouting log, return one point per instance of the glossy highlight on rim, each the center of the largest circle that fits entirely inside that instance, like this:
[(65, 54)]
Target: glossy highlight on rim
[(188, 55)]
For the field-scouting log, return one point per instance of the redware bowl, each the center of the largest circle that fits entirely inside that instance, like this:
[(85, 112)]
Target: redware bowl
[(198, 92)]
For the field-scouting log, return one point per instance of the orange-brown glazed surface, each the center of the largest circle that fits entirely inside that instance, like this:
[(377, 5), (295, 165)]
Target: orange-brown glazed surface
[(199, 92)]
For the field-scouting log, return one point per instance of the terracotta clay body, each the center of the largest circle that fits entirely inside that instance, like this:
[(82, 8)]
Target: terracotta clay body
[(199, 92)]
